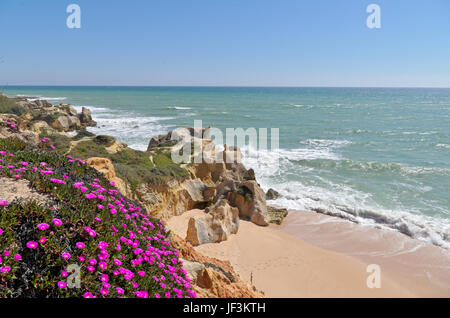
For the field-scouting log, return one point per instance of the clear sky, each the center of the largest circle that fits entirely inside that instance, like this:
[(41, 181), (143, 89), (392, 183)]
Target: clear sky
[(225, 43)]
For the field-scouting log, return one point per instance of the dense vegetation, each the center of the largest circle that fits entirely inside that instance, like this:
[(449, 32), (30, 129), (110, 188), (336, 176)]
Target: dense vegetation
[(120, 250), (10, 106)]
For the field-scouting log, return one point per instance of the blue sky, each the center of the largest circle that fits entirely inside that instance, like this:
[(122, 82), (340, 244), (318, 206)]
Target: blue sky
[(225, 43)]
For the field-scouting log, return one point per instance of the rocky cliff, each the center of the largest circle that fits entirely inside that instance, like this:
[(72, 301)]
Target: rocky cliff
[(227, 192)]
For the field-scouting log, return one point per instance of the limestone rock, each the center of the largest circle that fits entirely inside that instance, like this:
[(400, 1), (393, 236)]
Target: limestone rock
[(86, 117), (272, 194), (40, 127), (42, 103), (61, 123), (276, 215), (193, 269), (68, 109), (216, 226), (105, 166), (251, 202)]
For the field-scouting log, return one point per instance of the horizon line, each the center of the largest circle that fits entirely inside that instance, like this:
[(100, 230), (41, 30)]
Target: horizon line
[(221, 86)]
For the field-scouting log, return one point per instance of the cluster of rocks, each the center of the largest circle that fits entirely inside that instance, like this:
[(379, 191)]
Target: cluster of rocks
[(225, 189), (42, 116)]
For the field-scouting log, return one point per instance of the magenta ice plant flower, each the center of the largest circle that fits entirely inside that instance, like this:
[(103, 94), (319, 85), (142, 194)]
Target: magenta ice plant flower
[(43, 226), (65, 255), (32, 244), (57, 221)]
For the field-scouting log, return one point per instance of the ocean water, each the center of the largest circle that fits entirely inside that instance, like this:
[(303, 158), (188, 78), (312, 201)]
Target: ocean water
[(376, 156)]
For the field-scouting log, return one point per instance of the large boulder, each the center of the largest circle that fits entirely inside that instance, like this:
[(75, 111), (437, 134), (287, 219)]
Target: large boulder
[(42, 103), (272, 194), (68, 109), (21, 132), (250, 199), (195, 190), (40, 126), (86, 117), (61, 123), (276, 215), (66, 123), (215, 226)]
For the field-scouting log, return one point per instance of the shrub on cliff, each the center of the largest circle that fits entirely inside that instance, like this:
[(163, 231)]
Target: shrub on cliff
[(10, 106), (119, 250)]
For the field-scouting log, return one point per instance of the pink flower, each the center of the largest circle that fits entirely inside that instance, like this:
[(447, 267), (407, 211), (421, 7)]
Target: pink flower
[(104, 278), (92, 261), (57, 181), (88, 295), (91, 268), (78, 184), (57, 221), (32, 244), (62, 284), (65, 255), (17, 257), (104, 291), (90, 196), (5, 269), (3, 202), (42, 240), (119, 290), (80, 245), (43, 226), (64, 274)]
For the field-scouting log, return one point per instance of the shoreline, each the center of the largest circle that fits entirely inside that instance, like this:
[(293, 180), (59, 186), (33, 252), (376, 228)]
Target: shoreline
[(283, 262)]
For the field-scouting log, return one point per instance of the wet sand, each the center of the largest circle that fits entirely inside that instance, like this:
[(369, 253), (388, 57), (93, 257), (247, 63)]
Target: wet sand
[(419, 267)]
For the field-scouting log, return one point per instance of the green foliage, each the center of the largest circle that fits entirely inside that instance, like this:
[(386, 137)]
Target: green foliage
[(39, 271), (87, 149), (133, 166), (10, 106), (83, 133), (61, 142)]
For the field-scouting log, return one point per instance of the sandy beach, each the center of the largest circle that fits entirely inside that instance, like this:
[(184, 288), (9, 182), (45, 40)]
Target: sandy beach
[(328, 258)]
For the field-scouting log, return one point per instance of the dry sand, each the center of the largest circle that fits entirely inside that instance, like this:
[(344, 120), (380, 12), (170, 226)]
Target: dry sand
[(283, 265)]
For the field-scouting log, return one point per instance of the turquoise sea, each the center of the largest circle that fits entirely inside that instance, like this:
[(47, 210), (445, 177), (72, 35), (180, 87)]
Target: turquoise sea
[(376, 156)]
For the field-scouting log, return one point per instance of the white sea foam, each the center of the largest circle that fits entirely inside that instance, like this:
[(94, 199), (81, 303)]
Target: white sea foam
[(179, 107), (339, 199), (127, 127), (44, 98)]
